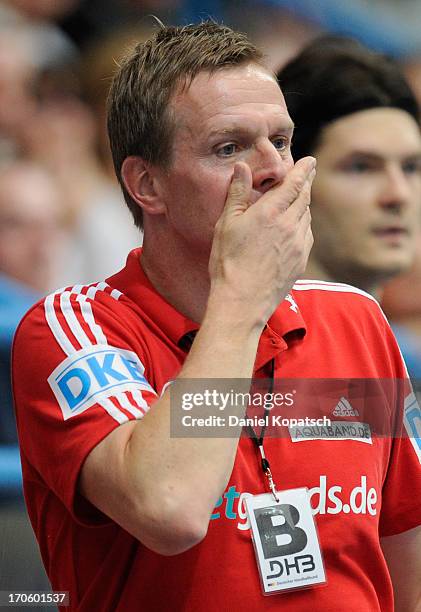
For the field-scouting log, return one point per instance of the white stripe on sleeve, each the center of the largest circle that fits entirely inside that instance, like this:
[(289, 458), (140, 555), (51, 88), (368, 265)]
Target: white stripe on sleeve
[(140, 400), (113, 411), (72, 321), (126, 403), (55, 327), (89, 318)]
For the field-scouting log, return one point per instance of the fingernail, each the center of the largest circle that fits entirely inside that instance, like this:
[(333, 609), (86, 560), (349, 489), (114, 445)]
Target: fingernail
[(237, 172), (312, 163)]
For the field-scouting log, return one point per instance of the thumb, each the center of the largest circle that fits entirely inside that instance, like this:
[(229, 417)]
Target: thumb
[(238, 196)]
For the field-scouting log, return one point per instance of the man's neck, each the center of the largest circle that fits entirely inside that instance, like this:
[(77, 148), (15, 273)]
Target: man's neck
[(315, 270), (180, 277)]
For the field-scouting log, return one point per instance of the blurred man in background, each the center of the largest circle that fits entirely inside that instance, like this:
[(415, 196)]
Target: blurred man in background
[(31, 239), (354, 112), (31, 225)]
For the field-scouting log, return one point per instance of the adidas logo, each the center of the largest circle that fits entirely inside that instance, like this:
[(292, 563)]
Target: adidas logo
[(343, 408)]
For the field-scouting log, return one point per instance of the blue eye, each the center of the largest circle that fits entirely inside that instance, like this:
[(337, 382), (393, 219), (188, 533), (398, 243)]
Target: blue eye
[(227, 150), (280, 143)]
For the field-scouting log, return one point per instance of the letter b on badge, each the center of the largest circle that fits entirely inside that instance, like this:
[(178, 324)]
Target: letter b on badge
[(278, 530)]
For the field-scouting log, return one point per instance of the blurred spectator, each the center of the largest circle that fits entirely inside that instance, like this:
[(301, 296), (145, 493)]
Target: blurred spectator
[(29, 49), (67, 135), (61, 136), (31, 22), (356, 114), (31, 231), (17, 102), (31, 237), (43, 117)]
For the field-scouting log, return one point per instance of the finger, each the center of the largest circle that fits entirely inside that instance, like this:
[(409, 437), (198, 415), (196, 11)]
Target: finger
[(309, 241), (304, 236), (303, 226), (238, 197), (294, 183), (303, 201)]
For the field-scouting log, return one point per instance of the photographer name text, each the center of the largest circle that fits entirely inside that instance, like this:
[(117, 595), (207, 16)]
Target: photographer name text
[(268, 420)]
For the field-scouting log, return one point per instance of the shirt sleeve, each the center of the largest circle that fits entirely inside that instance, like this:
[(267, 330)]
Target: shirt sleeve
[(77, 375), (401, 495)]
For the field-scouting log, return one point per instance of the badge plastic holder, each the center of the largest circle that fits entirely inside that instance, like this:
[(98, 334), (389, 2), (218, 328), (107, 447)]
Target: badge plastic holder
[(285, 541)]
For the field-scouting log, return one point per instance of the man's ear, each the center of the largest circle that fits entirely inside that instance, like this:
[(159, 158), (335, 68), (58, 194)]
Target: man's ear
[(139, 181)]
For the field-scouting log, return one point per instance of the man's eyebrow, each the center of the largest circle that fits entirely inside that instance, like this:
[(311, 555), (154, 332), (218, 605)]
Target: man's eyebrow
[(238, 130), (414, 155), (363, 153)]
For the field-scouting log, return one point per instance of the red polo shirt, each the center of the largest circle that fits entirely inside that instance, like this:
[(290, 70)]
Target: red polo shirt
[(89, 358)]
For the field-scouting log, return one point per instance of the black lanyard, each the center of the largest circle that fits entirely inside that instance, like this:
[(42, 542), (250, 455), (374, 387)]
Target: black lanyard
[(258, 441)]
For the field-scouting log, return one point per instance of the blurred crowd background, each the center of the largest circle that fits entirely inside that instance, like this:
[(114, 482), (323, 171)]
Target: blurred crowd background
[(62, 218)]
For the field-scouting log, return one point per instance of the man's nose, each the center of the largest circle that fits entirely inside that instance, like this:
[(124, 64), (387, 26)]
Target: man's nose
[(396, 191), (269, 166)]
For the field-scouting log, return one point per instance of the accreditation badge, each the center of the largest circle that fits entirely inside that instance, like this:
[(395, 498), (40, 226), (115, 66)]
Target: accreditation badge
[(285, 541)]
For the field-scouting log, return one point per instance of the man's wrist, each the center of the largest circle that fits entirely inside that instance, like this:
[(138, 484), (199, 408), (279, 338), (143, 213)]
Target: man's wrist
[(233, 314)]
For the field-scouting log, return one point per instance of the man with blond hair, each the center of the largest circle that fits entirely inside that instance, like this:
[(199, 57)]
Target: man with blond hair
[(129, 515)]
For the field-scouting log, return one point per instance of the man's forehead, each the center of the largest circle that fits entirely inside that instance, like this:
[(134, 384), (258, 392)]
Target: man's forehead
[(374, 131), (248, 86)]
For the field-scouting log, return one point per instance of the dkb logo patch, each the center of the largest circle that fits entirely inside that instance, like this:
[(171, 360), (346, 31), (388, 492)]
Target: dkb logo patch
[(95, 373)]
